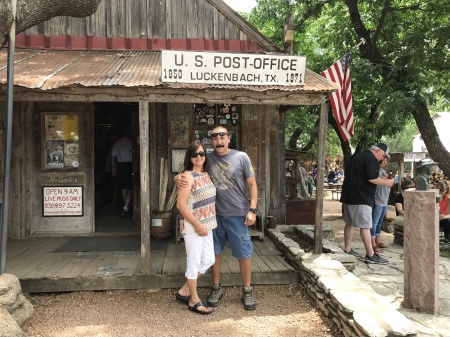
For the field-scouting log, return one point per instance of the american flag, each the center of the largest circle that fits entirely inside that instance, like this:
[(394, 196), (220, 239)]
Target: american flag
[(341, 100)]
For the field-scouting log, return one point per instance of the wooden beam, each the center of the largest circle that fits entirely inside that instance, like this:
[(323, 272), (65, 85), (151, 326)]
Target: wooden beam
[(144, 128), (318, 233), (168, 95)]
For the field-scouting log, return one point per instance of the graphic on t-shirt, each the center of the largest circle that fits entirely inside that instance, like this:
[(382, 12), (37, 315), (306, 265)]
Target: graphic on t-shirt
[(223, 175)]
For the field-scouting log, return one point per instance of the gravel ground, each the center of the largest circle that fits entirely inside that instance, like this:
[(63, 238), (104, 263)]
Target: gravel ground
[(283, 310)]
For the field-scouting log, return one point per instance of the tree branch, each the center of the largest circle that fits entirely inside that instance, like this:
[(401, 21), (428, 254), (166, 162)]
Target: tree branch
[(384, 13), (32, 12), (311, 12), (368, 50)]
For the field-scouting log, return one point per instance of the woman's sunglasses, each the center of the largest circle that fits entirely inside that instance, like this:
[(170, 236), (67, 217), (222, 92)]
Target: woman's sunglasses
[(195, 154)]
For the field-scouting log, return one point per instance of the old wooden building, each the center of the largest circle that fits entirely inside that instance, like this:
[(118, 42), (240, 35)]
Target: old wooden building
[(77, 81)]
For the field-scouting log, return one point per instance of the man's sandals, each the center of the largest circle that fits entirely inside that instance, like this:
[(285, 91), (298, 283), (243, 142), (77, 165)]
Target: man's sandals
[(195, 308), (382, 245)]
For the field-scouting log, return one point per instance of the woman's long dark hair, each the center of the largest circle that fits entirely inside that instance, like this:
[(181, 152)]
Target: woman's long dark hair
[(192, 148)]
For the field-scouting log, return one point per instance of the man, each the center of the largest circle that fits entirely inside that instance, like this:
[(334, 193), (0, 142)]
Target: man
[(231, 172), (123, 155), (358, 197)]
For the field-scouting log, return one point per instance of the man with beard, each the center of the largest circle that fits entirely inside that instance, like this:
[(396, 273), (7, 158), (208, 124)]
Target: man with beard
[(231, 171)]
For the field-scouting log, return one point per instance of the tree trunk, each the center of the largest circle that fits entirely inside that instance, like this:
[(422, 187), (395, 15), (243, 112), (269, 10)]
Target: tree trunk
[(294, 138), (431, 138), (345, 146), (32, 12)]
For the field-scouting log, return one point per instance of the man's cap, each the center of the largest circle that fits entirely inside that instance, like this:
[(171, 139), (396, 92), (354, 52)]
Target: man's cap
[(383, 147), (426, 162)]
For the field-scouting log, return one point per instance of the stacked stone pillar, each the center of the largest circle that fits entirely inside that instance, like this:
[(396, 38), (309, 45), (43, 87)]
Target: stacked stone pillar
[(421, 251)]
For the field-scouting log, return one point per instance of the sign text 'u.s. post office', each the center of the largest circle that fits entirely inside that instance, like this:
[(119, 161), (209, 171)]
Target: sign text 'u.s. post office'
[(232, 68)]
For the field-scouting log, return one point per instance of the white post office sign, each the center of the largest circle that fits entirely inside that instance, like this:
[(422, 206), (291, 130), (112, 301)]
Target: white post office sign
[(232, 68)]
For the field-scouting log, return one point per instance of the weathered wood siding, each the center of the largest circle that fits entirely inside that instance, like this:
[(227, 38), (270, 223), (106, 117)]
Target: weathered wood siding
[(27, 175), (157, 19)]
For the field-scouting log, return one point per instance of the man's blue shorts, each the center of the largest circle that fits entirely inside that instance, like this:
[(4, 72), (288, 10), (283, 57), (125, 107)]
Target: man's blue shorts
[(233, 229)]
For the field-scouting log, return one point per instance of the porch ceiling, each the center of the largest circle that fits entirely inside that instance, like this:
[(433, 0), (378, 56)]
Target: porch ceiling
[(52, 69)]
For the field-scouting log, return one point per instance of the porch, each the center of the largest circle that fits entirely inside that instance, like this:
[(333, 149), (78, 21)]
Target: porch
[(42, 270)]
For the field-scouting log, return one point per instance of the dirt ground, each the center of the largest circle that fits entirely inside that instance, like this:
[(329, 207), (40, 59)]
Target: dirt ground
[(282, 310)]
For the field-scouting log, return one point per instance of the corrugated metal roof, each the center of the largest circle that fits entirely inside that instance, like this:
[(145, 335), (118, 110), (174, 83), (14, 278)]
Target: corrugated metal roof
[(52, 69)]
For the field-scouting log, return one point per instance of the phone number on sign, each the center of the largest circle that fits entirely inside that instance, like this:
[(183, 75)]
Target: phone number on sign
[(62, 205)]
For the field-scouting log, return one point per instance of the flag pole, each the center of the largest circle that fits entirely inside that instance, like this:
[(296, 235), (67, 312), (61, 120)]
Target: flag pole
[(361, 41)]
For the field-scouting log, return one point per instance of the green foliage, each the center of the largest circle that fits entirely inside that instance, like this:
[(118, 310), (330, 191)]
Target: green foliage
[(412, 39)]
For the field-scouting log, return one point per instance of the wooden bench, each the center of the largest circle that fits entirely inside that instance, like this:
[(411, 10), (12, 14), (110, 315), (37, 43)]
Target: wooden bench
[(332, 186), (336, 193)]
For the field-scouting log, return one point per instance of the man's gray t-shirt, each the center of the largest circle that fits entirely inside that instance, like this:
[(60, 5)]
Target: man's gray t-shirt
[(382, 192), (229, 174)]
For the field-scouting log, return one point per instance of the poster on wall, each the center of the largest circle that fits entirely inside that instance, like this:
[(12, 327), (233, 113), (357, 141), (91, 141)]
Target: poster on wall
[(62, 201), (55, 153), (61, 141), (179, 131)]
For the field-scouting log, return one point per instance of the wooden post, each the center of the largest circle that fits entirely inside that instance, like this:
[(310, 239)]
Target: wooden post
[(318, 233), (401, 171), (145, 185)]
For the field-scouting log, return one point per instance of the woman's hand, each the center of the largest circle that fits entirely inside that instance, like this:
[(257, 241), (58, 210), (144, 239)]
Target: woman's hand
[(201, 230)]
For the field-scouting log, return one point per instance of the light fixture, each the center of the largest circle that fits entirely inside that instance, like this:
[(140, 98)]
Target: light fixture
[(289, 33)]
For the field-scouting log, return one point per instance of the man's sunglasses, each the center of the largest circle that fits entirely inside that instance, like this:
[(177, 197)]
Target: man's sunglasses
[(221, 134), (195, 154)]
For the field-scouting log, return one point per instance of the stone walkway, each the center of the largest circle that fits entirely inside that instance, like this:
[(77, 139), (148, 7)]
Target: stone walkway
[(388, 281)]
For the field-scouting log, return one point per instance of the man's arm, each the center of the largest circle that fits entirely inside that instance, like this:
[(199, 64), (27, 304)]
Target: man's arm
[(181, 180), (250, 219), (381, 181), (253, 188)]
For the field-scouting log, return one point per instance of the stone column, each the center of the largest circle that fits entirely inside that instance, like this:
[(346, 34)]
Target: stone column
[(421, 251)]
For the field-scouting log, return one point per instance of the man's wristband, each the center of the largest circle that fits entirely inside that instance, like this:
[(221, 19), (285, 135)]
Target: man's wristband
[(253, 210)]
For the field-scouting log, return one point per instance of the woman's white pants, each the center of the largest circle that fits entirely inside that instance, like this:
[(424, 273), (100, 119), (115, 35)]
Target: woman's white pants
[(199, 254)]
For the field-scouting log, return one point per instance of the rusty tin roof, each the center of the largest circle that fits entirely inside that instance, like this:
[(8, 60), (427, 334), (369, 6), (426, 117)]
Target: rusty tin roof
[(52, 69)]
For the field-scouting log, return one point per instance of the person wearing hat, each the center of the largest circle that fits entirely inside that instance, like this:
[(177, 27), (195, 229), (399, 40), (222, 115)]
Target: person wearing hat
[(358, 198), (122, 154), (423, 174)]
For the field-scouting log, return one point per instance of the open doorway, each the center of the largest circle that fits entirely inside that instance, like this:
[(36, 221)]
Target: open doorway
[(112, 121)]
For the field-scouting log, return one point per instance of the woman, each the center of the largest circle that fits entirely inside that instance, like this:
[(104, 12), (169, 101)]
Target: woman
[(379, 211), (444, 209), (196, 204), (399, 200)]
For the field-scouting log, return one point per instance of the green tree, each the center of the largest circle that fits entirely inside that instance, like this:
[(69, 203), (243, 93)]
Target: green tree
[(401, 70)]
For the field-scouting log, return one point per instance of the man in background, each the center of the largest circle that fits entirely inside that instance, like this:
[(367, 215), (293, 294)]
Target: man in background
[(358, 198), (123, 155)]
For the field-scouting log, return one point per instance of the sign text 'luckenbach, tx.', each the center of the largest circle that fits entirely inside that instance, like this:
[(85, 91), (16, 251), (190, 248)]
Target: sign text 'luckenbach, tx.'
[(232, 68)]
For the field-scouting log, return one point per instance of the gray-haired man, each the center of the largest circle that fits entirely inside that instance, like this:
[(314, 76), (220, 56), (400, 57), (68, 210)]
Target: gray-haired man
[(358, 197)]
